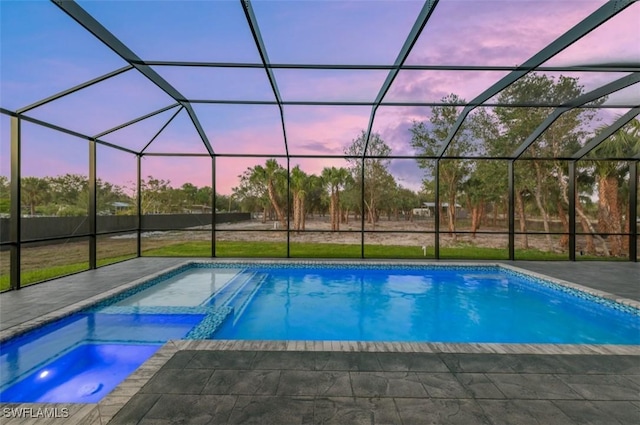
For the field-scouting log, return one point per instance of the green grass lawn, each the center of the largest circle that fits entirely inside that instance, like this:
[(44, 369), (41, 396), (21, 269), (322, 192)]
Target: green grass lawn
[(313, 250), (29, 277), (232, 249)]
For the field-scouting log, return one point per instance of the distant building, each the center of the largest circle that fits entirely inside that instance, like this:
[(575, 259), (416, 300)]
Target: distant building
[(120, 206), (428, 209)]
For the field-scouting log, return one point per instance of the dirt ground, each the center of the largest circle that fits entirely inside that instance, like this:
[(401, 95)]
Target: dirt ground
[(398, 235), (319, 231)]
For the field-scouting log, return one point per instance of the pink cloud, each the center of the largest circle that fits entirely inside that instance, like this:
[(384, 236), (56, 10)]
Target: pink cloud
[(432, 86), (615, 41), (494, 32), (315, 130), (179, 170), (265, 139)]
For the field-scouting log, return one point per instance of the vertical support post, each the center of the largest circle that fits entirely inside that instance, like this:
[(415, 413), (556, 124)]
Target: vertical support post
[(572, 210), (512, 210), (633, 211), (214, 199), (139, 201), (93, 227), (436, 248), (288, 206), (362, 209), (16, 201)]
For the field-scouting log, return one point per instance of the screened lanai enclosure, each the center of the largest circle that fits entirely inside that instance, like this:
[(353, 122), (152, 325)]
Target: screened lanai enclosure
[(451, 129)]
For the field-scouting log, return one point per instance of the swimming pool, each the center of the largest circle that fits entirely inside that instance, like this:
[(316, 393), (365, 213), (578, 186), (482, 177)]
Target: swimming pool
[(301, 301), (408, 305)]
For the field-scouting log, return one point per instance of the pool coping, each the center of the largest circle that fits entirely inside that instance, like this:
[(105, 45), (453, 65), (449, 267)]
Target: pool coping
[(595, 292), (107, 408)]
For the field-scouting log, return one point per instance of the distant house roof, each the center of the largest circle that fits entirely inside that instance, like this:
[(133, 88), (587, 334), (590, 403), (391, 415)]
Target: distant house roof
[(120, 204)]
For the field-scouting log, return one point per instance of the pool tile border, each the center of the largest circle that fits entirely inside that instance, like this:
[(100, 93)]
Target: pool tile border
[(210, 323), (610, 300)]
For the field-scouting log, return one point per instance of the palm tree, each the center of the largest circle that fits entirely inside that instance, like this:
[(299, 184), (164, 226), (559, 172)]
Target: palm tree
[(625, 143), (271, 174), (335, 179), (299, 181), (35, 191), (315, 196)]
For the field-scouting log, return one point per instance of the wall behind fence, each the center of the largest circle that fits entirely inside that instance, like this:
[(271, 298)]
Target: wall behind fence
[(34, 228)]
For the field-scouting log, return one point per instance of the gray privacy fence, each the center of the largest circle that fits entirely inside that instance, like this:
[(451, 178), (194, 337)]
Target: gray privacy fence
[(34, 228)]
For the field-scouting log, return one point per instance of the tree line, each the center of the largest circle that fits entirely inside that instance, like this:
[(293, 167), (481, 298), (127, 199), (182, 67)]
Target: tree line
[(68, 195), (541, 179), (64, 195)]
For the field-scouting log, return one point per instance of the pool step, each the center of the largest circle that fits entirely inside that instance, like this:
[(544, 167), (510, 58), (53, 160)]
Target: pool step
[(242, 298), (227, 292), (237, 293)]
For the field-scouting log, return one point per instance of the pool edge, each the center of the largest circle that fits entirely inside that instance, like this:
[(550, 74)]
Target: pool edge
[(74, 308), (591, 291)]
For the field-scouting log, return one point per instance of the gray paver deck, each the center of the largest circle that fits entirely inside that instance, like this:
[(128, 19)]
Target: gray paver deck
[(212, 387), (332, 387), (614, 277)]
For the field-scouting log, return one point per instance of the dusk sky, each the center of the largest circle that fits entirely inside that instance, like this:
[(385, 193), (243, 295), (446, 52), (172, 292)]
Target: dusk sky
[(43, 51)]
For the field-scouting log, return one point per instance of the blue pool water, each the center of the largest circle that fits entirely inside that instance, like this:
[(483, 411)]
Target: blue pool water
[(85, 374), (60, 361), (84, 356), (411, 305)]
